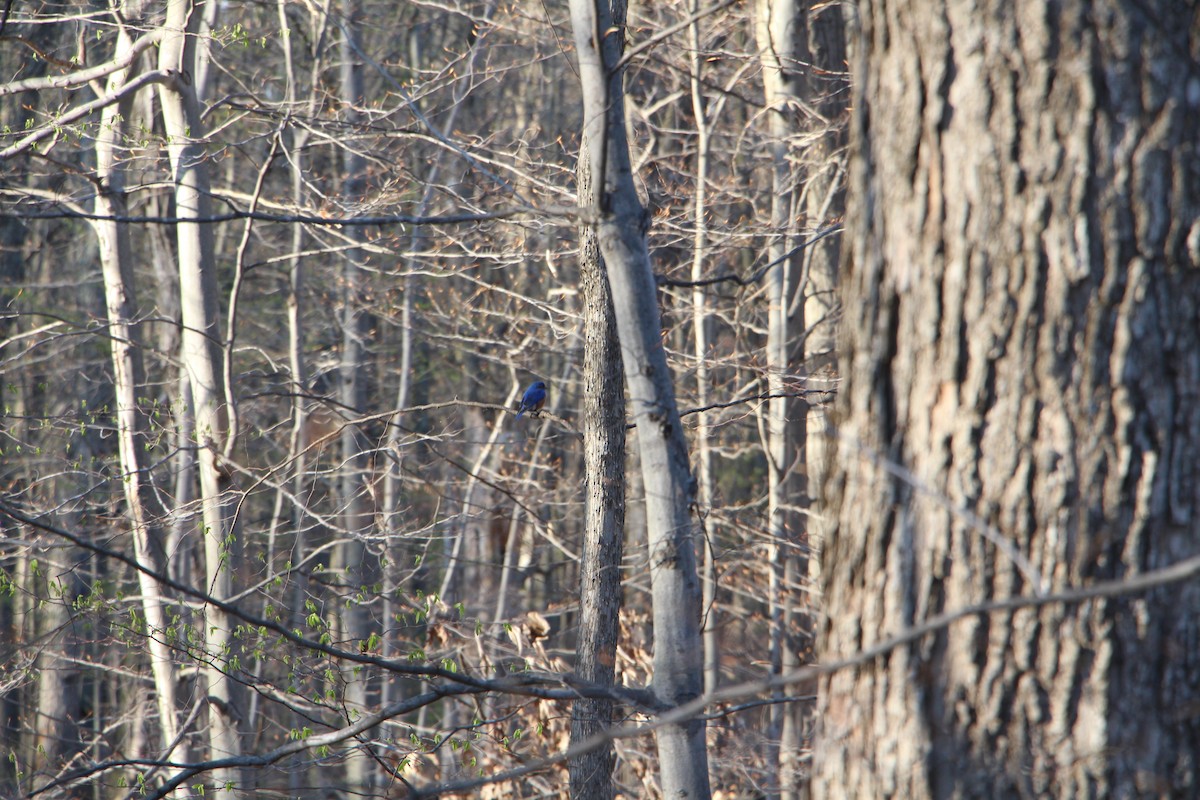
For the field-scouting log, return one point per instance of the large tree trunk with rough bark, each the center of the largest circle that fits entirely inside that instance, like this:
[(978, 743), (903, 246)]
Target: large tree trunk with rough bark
[(1022, 336)]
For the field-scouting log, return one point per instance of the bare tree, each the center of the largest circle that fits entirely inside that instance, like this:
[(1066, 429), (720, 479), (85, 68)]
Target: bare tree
[(702, 347), (599, 30), (129, 378), (778, 40), (352, 558), (814, 311), (827, 92), (179, 58)]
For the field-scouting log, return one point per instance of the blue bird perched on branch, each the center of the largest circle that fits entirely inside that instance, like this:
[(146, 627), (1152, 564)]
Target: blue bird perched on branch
[(533, 399)]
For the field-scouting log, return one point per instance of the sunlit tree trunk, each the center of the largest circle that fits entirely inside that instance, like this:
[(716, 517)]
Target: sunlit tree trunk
[(700, 323), (355, 515), (128, 381), (1022, 338), (201, 361), (599, 30), (776, 35)]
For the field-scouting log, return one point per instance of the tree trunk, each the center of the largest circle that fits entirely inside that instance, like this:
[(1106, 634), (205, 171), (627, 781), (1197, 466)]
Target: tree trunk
[(201, 362), (604, 523), (776, 35), (1023, 336), (128, 381), (826, 90), (599, 30), (351, 560), (55, 709), (700, 323), (823, 88)]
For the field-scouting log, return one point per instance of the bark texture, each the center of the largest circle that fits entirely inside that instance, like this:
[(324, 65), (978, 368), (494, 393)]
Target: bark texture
[(1022, 333), (604, 525)]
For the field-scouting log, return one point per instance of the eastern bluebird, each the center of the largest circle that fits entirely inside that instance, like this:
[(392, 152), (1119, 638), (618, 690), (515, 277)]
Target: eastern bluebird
[(533, 399)]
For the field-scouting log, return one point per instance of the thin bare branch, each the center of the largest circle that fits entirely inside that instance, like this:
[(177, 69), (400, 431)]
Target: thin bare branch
[(82, 77), (53, 127)]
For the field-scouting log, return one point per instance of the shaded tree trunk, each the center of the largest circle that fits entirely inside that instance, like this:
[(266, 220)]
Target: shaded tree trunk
[(1023, 336), (826, 89), (56, 709), (604, 523)]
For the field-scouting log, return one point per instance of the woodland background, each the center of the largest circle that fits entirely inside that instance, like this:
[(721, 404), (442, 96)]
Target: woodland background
[(274, 275)]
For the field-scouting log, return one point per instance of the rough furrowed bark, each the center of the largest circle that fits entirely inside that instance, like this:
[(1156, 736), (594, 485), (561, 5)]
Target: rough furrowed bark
[(604, 535), (1022, 334)]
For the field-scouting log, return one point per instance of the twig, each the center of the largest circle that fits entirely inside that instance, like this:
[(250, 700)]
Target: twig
[(79, 112), (662, 280)]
